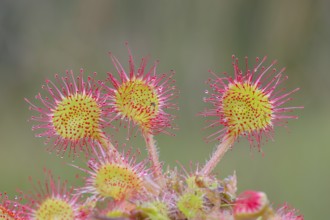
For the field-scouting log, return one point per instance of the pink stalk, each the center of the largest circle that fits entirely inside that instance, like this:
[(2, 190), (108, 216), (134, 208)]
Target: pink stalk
[(108, 146), (218, 154), (153, 154)]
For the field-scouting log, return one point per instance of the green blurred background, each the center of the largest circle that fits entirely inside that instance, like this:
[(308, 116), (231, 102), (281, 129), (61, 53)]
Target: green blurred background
[(39, 38)]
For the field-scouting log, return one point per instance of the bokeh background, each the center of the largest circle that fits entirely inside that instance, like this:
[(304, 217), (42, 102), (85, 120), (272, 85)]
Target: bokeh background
[(40, 38)]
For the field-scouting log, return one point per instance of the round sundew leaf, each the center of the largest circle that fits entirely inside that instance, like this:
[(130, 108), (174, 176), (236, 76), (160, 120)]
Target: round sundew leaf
[(248, 104), (72, 114), (116, 181), (250, 204), (191, 203), (6, 214), (141, 97), (138, 101), (246, 109), (77, 117), (53, 208), (155, 210)]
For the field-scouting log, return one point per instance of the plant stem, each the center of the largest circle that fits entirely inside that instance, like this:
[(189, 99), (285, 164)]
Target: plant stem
[(222, 148), (153, 155), (108, 146)]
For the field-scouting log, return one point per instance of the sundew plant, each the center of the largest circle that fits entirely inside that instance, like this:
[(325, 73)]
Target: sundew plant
[(76, 115)]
